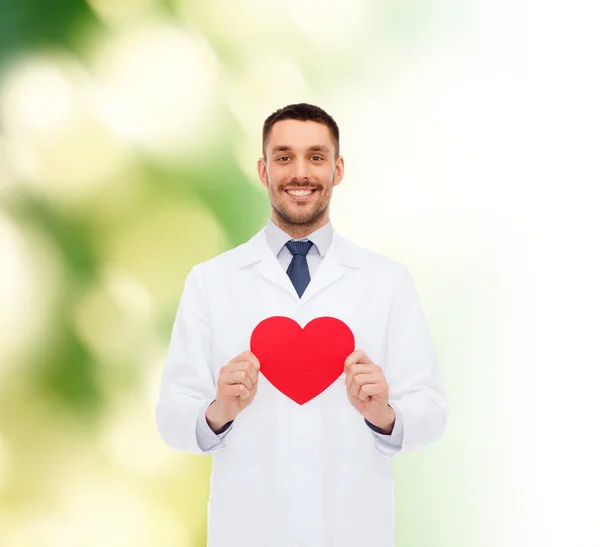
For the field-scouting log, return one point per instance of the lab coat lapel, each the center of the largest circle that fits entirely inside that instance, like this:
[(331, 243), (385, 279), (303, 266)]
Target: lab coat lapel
[(271, 270), (341, 256), (329, 271)]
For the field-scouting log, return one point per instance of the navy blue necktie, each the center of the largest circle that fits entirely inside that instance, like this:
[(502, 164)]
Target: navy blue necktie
[(298, 268)]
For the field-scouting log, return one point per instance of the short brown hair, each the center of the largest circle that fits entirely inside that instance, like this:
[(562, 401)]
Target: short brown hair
[(303, 112)]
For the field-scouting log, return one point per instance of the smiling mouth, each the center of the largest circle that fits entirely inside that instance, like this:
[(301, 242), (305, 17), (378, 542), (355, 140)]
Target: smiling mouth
[(301, 195)]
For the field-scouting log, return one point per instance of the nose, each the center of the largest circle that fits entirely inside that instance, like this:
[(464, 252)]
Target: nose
[(300, 169)]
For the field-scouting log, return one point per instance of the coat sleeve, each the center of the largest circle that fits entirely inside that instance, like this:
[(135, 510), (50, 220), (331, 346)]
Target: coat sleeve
[(188, 385), (416, 388)]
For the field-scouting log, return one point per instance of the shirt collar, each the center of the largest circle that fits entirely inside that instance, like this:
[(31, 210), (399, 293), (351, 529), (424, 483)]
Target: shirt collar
[(277, 238)]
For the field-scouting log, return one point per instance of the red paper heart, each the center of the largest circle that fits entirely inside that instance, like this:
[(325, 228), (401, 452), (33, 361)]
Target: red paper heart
[(301, 363)]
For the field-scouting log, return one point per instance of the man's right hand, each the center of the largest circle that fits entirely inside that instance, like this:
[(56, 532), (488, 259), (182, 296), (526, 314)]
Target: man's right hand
[(236, 388)]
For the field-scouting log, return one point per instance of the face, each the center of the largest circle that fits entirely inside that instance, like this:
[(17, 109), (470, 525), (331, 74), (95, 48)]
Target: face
[(300, 155)]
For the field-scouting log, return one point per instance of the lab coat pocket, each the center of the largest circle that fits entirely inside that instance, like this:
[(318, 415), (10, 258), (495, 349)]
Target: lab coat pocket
[(236, 508)]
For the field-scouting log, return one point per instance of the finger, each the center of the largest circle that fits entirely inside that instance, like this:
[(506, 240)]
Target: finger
[(246, 367), (240, 357), (353, 370), (351, 359), (362, 380), (362, 396), (370, 390), (238, 377), (235, 390), (252, 372), (254, 360), (244, 392), (357, 356), (247, 356), (354, 390)]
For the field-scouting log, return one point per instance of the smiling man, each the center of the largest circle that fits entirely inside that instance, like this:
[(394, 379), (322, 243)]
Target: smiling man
[(300, 166), (316, 474)]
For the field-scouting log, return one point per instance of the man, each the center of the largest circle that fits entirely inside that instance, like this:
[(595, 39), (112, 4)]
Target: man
[(286, 474)]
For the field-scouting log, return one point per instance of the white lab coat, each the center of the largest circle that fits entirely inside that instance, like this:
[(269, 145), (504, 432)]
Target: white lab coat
[(313, 475)]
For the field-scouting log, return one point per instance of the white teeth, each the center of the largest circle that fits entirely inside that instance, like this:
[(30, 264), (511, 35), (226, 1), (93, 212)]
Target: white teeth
[(300, 192)]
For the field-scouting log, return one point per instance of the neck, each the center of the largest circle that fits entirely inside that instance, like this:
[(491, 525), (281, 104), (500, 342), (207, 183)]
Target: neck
[(298, 231)]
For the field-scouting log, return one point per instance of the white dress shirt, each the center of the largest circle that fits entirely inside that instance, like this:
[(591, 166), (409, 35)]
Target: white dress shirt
[(276, 240)]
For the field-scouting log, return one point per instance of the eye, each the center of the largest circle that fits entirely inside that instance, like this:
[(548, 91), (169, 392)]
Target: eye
[(316, 158), (282, 158)]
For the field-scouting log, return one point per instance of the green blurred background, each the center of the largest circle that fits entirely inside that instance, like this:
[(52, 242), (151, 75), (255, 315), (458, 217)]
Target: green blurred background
[(129, 134)]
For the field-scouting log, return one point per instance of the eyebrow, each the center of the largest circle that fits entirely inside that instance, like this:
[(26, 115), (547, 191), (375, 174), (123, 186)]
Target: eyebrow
[(313, 148)]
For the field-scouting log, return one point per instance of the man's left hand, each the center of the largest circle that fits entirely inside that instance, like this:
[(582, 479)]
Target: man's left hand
[(368, 391)]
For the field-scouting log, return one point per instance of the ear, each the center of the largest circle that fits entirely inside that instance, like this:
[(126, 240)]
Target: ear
[(262, 172), (339, 171)]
